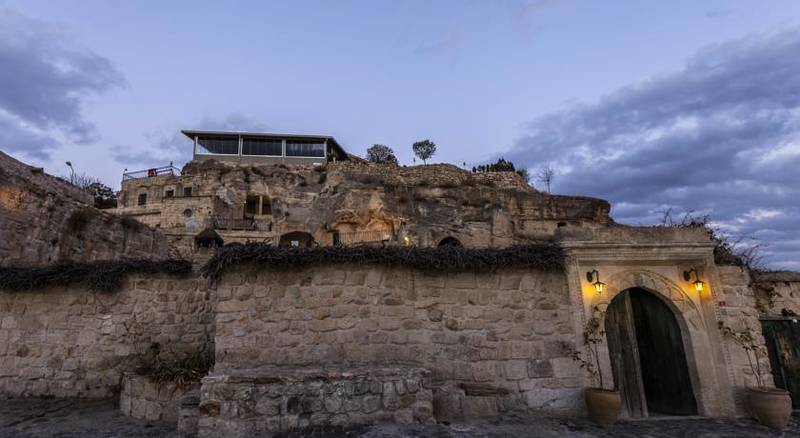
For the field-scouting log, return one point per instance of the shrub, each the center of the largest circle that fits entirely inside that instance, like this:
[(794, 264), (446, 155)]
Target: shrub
[(80, 218)]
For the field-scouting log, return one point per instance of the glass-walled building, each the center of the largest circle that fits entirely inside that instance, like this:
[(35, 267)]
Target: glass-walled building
[(264, 147)]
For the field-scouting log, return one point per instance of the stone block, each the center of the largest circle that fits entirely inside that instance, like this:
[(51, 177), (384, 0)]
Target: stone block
[(476, 407), (515, 369), (540, 368)]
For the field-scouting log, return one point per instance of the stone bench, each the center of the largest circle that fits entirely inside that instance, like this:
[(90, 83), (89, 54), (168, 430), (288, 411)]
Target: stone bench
[(279, 399)]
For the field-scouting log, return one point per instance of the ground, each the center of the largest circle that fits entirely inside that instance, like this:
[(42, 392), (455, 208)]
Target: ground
[(95, 419)]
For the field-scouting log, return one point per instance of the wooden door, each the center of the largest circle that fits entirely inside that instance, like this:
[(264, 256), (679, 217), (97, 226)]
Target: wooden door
[(665, 373), (622, 346), (647, 356), (783, 346)]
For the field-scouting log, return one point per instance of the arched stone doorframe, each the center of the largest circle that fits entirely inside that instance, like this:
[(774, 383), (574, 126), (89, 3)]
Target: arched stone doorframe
[(693, 325)]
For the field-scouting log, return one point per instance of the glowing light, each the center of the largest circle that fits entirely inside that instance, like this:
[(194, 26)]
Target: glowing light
[(594, 277)]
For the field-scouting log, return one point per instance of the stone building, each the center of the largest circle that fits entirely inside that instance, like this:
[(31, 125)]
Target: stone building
[(340, 342)]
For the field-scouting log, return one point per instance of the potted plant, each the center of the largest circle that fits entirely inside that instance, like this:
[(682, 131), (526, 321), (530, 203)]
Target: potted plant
[(603, 404), (770, 406)]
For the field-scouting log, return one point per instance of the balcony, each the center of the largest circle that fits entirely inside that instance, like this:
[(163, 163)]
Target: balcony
[(152, 173)]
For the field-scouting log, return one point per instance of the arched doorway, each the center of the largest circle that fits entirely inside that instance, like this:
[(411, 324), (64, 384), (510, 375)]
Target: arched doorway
[(297, 239), (450, 241), (647, 356)]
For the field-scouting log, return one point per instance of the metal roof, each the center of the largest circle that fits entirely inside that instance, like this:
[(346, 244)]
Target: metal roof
[(191, 133)]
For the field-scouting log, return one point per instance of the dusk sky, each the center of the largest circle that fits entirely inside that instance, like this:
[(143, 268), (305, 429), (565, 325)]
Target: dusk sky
[(688, 105)]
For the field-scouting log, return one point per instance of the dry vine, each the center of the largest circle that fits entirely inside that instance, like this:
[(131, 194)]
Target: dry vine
[(100, 276), (545, 256)]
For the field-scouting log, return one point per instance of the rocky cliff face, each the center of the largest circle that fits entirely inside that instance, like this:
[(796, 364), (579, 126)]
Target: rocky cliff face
[(352, 202), (44, 219)]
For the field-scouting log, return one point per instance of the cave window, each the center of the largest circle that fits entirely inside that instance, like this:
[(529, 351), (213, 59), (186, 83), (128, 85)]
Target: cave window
[(450, 241), (561, 224), (142, 199), (257, 205)]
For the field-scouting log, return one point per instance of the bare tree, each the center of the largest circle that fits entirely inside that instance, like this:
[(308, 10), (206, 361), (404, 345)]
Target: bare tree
[(546, 176)]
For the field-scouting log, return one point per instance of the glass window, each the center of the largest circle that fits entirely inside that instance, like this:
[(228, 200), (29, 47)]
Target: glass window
[(260, 146), (305, 149), (218, 145)]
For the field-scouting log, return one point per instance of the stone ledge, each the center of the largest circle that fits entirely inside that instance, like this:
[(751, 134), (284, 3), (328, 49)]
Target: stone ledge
[(279, 399), (147, 400)]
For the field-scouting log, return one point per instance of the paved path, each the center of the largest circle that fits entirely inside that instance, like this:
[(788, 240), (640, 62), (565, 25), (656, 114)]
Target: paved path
[(96, 419)]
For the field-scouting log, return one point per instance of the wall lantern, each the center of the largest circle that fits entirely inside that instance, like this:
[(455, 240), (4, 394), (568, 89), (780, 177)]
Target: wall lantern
[(594, 277), (698, 285)]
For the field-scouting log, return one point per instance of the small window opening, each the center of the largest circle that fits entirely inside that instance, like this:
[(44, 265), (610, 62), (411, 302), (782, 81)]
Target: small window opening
[(187, 191), (561, 224), (142, 199), (169, 193)]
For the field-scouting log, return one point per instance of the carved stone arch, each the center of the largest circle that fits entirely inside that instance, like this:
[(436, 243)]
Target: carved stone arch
[(684, 307)]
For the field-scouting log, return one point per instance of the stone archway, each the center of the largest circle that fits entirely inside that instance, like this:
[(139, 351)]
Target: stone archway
[(694, 328)]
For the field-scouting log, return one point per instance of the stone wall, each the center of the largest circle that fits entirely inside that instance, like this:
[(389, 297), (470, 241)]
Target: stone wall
[(492, 341), (269, 400), (43, 219), (777, 293), (145, 399), (737, 310), (69, 342)]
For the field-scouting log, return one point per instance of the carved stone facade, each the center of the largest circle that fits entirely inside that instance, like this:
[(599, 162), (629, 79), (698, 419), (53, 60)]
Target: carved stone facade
[(353, 202)]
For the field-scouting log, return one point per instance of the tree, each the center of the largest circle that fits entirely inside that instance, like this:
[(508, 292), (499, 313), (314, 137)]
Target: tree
[(424, 149), (524, 174), (545, 176), (381, 154), (104, 197)]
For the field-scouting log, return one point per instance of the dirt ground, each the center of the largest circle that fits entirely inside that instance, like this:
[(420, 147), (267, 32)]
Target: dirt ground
[(100, 418)]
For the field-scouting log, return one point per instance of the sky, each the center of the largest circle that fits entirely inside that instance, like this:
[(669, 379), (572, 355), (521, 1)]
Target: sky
[(685, 106)]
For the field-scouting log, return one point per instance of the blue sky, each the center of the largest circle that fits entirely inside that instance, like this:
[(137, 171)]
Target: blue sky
[(653, 105)]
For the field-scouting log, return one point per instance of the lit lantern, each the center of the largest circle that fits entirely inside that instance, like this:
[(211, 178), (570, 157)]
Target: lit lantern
[(594, 277), (697, 283)]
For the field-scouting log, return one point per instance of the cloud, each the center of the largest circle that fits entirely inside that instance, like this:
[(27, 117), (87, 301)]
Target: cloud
[(717, 13), (175, 147), (44, 81), (720, 135)]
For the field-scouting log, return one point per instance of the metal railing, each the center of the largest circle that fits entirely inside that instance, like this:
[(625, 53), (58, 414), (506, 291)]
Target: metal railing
[(357, 237), (152, 172), (241, 224)]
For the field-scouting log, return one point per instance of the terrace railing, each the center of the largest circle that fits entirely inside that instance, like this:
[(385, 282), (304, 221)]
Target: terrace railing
[(152, 172), (241, 224), (357, 237)]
